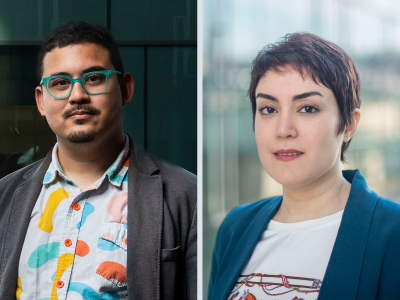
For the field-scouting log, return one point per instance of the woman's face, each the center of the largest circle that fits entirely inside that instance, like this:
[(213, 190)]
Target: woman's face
[(296, 128)]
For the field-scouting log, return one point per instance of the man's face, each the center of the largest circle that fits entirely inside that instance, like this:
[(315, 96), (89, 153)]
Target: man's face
[(82, 117), (296, 128)]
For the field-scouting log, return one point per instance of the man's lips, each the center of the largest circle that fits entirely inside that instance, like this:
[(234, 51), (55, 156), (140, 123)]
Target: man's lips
[(80, 114), (81, 111)]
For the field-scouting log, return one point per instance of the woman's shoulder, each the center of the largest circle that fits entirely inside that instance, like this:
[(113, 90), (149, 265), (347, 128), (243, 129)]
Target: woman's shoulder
[(387, 213), (244, 214), (245, 220)]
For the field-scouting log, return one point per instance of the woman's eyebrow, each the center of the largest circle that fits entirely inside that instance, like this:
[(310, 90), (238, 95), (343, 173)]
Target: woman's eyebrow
[(305, 95), (266, 96), (297, 97)]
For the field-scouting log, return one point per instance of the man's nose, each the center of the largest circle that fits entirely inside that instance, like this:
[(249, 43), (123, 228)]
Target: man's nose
[(78, 94), (286, 126)]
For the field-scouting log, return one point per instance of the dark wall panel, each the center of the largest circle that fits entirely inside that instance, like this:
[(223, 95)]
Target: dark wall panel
[(133, 113), (18, 75), (33, 20), (172, 105), (154, 20)]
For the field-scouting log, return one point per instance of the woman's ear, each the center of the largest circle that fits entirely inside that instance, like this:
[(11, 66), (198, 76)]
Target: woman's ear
[(351, 129)]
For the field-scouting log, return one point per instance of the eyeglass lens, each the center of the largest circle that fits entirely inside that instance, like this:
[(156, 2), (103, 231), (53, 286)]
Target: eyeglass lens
[(93, 83)]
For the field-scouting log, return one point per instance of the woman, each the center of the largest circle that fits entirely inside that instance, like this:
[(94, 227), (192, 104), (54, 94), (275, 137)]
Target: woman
[(328, 236)]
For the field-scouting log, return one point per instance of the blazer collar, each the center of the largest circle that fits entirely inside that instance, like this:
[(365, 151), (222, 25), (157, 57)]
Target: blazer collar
[(344, 268), (243, 247), (145, 221), (141, 161), (21, 205)]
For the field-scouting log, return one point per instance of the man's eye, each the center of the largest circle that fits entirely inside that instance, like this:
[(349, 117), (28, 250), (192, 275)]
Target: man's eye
[(60, 82), (95, 79), (267, 110), (92, 78)]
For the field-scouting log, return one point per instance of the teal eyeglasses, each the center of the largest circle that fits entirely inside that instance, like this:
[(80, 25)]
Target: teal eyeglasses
[(93, 83)]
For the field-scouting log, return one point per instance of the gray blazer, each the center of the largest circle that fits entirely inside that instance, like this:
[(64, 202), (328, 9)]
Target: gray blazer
[(162, 226)]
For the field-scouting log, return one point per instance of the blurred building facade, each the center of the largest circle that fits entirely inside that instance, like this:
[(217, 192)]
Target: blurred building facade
[(158, 44), (234, 32)]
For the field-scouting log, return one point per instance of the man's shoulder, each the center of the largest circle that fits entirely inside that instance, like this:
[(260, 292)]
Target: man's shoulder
[(10, 183), (174, 178), (174, 173), (18, 176)]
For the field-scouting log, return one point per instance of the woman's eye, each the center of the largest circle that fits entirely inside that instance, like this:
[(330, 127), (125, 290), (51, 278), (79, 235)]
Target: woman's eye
[(308, 109), (267, 110)]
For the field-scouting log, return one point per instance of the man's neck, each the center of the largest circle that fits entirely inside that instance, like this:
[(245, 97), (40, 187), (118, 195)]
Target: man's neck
[(87, 162)]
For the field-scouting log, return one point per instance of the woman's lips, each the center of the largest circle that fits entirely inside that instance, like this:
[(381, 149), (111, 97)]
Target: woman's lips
[(287, 154)]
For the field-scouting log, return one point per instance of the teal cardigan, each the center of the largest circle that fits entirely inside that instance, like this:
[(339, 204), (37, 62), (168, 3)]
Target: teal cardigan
[(365, 260)]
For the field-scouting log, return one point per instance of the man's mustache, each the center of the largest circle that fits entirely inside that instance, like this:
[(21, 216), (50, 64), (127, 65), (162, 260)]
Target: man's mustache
[(86, 108)]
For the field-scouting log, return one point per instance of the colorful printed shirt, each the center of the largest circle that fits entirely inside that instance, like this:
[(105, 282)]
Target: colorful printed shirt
[(289, 261), (76, 242)]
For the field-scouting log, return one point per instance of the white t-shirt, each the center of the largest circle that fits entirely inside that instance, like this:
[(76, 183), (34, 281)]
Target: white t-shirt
[(289, 261)]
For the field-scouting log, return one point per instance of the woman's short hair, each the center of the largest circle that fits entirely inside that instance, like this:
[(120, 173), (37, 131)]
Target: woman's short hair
[(317, 58)]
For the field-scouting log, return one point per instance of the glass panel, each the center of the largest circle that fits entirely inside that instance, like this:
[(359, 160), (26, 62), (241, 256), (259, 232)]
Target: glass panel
[(133, 113), (172, 105), (28, 137), (94, 12), (19, 22), (27, 20), (18, 75), (154, 20), (234, 32)]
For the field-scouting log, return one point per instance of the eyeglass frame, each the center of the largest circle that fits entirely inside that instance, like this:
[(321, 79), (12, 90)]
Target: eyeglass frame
[(107, 73)]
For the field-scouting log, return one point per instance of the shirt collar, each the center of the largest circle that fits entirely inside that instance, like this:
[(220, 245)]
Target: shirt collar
[(116, 173)]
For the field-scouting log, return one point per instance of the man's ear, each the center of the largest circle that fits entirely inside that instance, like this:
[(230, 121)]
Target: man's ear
[(127, 86), (39, 100), (351, 129)]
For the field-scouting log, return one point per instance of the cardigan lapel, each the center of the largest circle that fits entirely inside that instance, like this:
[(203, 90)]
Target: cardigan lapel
[(244, 246), (145, 220), (344, 268), (23, 201)]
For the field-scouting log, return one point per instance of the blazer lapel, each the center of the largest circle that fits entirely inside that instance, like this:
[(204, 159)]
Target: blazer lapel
[(23, 201), (244, 246), (344, 268), (145, 216)]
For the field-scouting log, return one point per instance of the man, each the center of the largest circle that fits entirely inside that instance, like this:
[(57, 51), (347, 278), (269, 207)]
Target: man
[(97, 217)]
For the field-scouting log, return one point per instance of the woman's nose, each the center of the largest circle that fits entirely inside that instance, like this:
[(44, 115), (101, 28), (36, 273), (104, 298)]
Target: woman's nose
[(286, 126)]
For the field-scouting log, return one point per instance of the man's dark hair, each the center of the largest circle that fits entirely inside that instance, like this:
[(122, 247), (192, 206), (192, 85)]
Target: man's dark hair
[(317, 58), (78, 33)]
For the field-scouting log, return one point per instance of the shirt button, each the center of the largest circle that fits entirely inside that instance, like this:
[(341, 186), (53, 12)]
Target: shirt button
[(126, 241), (60, 284), (77, 206), (68, 242)]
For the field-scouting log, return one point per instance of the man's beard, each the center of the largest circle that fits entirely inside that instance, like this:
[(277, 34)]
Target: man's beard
[(80, 137)]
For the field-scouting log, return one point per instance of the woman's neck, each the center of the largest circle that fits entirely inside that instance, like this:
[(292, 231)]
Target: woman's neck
[(324, 196)]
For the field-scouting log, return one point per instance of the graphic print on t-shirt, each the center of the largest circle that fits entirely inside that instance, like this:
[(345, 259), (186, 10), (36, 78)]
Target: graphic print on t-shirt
[(289, 261), (257, 286)]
